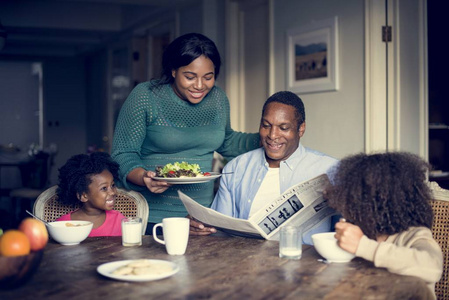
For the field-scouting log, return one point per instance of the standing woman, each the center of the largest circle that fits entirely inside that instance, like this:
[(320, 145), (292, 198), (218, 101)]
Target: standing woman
[(182, 116)]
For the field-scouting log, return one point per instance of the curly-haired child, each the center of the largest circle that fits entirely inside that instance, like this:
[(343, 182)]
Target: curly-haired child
[(384, 200), (90, 179)]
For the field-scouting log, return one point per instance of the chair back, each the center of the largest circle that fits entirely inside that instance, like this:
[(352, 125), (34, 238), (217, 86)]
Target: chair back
[(129, 203), (440, 232)]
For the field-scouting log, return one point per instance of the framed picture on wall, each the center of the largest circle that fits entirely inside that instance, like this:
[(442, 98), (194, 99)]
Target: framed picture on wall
[(312, 57)]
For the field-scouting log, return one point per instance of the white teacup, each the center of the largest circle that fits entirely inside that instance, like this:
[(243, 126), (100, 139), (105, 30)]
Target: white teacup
[(176, 234)]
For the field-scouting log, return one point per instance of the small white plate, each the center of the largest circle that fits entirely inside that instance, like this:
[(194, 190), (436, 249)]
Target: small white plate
[(106, 269), (190, 180)]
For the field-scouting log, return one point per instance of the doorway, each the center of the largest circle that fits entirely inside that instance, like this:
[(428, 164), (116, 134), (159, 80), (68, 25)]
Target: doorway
[(438, 105), (20, 114), (20, 110), (20, 123)]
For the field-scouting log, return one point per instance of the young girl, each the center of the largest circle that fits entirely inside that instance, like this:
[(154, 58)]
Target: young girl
[(90, 179), (384, 200)]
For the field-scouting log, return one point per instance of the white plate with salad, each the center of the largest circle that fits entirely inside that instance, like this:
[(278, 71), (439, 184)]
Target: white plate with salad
[(184, 173), (190, 180)]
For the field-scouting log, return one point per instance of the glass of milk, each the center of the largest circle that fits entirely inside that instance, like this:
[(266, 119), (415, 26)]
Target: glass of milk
[(290, 242), (132, 231)]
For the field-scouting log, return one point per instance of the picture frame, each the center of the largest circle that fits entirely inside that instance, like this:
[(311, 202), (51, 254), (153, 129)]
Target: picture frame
[(312, 57)]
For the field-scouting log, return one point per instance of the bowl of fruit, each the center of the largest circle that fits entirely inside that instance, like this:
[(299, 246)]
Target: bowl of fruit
[(21, 252)]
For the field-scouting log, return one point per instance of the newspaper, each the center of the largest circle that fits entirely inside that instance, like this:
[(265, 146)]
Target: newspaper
[(301, 205)]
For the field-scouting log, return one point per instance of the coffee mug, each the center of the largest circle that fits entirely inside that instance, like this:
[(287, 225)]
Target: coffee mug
[(176, 234)]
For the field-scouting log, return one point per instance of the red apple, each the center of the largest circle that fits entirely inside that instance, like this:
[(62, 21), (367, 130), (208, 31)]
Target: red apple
[(36, 232)]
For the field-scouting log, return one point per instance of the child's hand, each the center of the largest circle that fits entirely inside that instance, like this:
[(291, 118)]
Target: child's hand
[(348, 236)]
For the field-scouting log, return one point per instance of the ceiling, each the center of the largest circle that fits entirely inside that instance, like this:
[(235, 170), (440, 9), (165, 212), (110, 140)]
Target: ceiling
[(73, 27)]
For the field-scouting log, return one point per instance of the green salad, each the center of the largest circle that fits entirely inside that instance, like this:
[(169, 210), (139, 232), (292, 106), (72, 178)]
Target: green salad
[(182, 169)]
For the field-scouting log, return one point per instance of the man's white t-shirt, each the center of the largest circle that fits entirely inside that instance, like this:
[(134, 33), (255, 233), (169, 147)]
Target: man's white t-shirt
[(269, 190)]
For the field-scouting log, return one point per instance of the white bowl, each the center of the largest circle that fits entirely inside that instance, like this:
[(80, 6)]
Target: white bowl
[(326, 245), (65, 234)]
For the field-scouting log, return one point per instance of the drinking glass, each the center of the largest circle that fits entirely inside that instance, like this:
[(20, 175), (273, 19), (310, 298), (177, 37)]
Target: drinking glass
[(132, 231), (290, 242)]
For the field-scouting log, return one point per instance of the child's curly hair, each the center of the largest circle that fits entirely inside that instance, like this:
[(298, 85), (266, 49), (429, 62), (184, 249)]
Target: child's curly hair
[(76, 175), (382, 193)]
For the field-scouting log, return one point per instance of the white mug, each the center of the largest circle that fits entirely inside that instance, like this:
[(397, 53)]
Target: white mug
[(176, 234)]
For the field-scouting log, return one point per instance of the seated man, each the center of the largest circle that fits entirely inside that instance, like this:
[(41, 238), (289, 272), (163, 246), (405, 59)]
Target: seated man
[(252, 180)]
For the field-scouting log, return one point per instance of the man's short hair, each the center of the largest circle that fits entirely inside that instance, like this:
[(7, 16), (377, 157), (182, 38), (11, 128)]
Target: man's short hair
[(288, 98)]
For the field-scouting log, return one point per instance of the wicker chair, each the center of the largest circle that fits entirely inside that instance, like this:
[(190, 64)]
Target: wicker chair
[(129, 203), (440, 231)]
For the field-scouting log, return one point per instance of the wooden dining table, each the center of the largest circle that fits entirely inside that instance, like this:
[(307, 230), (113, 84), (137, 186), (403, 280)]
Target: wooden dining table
[(213, 267)]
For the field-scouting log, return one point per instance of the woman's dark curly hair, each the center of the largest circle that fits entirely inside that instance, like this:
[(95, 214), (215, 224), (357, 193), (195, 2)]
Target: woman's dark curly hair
[(382, 193), (76, 175)]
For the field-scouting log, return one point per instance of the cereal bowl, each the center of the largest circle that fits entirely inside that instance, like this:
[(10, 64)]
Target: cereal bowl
[(326, 245), (69, 232)]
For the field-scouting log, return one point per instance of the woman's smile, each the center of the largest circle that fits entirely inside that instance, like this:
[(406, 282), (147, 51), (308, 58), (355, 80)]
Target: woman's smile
[(193, 82), (197, 95)]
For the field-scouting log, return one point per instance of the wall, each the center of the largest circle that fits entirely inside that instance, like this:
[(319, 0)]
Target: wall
[(335, 120), (65, 108), (67, 14), (190, 20), (255, 57), (19, 121), (96, 87), (19, 95), (213, 26)]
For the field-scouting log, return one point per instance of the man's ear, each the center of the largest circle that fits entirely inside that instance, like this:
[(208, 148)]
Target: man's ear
[(173, 73), (302, 129)]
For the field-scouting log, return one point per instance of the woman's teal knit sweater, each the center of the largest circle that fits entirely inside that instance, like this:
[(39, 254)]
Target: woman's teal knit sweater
[(156, 127)]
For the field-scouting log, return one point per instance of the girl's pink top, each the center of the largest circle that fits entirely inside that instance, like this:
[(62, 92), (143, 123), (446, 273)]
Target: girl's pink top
[(112, 226)]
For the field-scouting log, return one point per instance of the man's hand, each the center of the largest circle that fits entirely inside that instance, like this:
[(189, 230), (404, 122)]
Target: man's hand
[(197, 228), (348, 236)]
